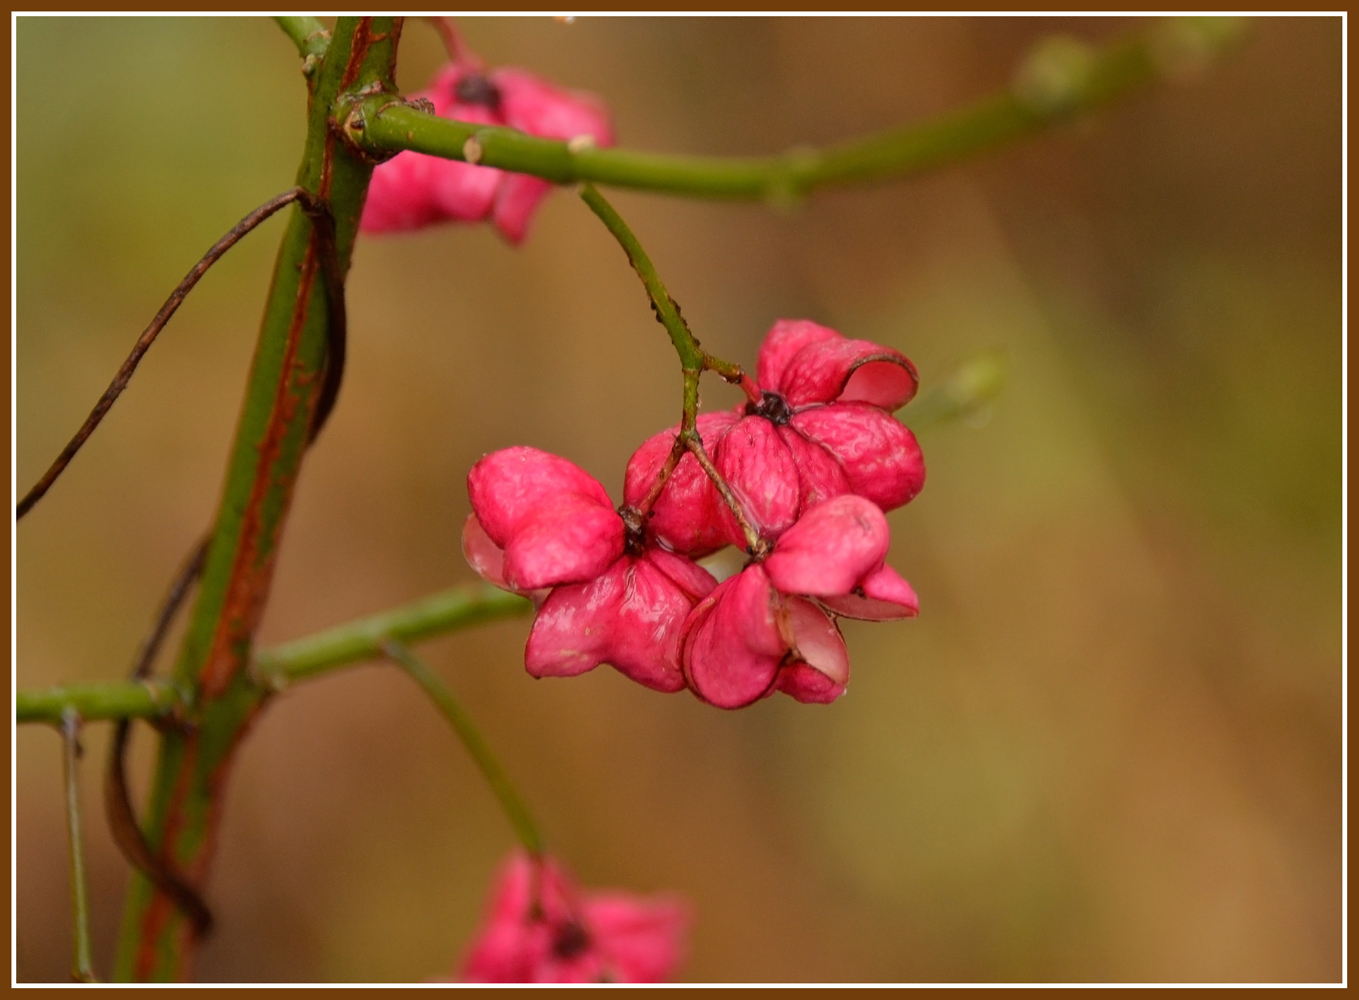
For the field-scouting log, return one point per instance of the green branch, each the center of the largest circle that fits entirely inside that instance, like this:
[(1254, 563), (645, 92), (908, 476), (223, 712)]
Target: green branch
[(1060, 79), (308, 34), (363, 639), (510, 799), (100, 700), (272, 435), (274, 669), (82, 966), (691, 356)]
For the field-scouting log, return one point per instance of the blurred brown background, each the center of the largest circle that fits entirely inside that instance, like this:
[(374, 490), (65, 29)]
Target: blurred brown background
[(1110, 747)]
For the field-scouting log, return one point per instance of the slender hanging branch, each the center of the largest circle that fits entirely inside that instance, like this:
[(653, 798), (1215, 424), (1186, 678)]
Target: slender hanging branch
[(319, 213), (127, 832), (510, 799), (693, 362), (83, 966), (1056, 83)]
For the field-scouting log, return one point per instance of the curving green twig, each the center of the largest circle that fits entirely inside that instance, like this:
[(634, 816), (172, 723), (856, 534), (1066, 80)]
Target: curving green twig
[(308, 34), (275, 669), (510, 799), (82, 968), (1060, 79)]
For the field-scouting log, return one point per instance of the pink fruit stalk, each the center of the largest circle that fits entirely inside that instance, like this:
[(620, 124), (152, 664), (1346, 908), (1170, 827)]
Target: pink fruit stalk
[(823, 428), (540, 928), (767, 628), (543, 527), (413, 190)]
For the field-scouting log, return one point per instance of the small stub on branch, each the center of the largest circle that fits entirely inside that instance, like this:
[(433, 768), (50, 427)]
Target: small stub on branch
[(1184, 47), (1054, 77)]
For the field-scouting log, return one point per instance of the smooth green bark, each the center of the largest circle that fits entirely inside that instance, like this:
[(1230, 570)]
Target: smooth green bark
[(1061, 78), (275, 669), (99, 700), (220, 697), (356, 641)]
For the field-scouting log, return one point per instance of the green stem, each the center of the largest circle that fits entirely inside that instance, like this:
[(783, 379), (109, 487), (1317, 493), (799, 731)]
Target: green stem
[(220, 697), (106, 700), (1056, 83), (308, 34), (353, 642), (693, 361), (275, 669), (667, 312), (82, 970), (510, 799)]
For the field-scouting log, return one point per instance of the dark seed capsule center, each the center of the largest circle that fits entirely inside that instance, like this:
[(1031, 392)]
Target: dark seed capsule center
[(477, 89), (570, 941), (772, 407)]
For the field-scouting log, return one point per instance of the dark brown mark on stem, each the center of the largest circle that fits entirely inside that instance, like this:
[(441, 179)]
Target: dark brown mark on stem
[(127, 833)]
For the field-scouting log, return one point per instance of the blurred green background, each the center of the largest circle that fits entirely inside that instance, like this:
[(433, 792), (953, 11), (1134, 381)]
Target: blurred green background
[(1110, 747)]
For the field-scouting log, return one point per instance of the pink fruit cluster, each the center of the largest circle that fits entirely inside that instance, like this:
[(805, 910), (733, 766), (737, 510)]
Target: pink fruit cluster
[(540, 928), (413, 190), (812, 464)]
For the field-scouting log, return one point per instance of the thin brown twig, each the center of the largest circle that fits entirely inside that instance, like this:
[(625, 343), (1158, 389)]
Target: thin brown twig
[(755, 545), (667, 470), (319, 214), (127, 832)]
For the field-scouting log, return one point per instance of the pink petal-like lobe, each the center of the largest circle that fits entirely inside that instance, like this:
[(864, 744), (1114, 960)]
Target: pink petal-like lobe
[(641, 941), (830, 549), (784, 339), (879, 455), (819, 474), (808, 685), (687, 517), (757, 465), (552, 519), (531, 104), (566, 540), (515, 202), (571, 936), (630, 617), (882, 596), (512, 484), (398, 196), (482, 554), (851, 371), (732, 644), (817, 641)]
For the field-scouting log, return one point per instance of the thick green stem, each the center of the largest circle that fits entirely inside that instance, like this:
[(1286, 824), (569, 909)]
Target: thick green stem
[(510, 799), (277, 668), (308, 34), (1057, 82), (221, 699), (99, 700), (82, 969)]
